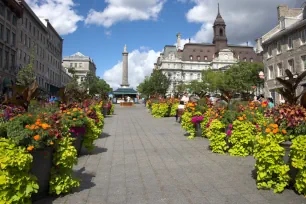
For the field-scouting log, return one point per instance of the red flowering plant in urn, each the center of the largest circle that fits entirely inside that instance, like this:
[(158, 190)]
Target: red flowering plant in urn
[(75, 119)]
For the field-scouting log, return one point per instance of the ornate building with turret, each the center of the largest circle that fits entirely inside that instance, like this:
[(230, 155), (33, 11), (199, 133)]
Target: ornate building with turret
[(185, 65)]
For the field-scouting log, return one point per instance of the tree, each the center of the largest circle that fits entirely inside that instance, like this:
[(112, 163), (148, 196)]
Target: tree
[(26, 76), (159, 82), (198, 88), (95, 85)]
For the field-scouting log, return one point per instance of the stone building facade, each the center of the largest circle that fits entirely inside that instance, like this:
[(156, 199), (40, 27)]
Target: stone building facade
[(38, 39), (187, 64), (81, 63), (284, 47), (10, 12)]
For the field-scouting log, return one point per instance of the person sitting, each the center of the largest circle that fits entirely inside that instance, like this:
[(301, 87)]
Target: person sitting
[(270, 103)]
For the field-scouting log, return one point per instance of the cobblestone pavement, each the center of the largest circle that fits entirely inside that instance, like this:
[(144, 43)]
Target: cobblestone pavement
[(141, 159)]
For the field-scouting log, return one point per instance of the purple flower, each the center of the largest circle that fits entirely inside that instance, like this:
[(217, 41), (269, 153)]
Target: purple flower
[(194, 120), (207, 125), (228, 132), (200, 118), (257, 126), (230, 126)]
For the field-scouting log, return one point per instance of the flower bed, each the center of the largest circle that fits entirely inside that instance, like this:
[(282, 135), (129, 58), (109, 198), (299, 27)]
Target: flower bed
[(23, 134)]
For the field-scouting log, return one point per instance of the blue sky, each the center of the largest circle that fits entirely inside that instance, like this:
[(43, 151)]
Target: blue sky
[(101, 28)]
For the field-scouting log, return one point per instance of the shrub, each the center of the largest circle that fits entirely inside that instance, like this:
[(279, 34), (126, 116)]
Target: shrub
[(217, 137)]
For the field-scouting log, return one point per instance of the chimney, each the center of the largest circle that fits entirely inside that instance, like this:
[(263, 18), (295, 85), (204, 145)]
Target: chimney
[(178, 42), (282, 10)]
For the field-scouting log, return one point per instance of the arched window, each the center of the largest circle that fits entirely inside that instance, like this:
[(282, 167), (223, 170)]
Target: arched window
[(190, 57), (205, 57), (221, 32), (252, 60), (198, 58), (244, 59)]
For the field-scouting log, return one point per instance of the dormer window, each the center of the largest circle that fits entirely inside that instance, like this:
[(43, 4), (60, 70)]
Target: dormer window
[(190, 57)]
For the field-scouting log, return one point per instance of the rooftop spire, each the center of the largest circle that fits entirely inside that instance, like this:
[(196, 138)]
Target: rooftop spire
[(218, 9)]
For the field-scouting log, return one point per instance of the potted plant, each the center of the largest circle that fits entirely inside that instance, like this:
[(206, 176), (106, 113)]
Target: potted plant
[(105, 108), (32, 132), (196, 120), (76, 120)]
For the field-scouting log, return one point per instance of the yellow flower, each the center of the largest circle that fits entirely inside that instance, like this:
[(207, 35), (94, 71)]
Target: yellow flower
[(75, 109), (51, 143), (45, 126)]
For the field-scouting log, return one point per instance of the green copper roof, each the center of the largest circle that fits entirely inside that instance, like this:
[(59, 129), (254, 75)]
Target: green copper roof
[(123, 91)]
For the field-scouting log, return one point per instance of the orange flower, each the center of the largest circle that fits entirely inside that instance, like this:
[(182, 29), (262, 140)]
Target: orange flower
[(68, 113), (19, 115), (45, 126), (240, 118), (27, 126), (221, 117), (75, 109), (51, 143), (74, 118), (284, 131), (268, 130), (81, 116), (275, 131), (11, 119), (36, 137), (275, 126), (30, 148)]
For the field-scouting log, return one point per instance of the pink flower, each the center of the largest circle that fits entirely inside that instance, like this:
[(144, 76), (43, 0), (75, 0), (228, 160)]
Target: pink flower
[(207, 125), (228, 132), (230, 126), (257, 126)]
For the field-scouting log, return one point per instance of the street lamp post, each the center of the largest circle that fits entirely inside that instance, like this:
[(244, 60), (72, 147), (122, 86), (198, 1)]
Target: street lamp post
[(261, 76)]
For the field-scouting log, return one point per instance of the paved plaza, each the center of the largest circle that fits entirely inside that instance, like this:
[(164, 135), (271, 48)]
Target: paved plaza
[(140, 159)]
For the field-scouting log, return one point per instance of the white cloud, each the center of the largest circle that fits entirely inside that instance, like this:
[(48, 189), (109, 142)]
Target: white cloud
[(246, 20), (61, 13), (108, 32), (141, 64), (125, 10)]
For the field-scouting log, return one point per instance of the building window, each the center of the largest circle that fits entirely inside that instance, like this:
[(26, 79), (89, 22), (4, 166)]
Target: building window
[(30, 28), (6, 60), (71, 65), (80, 64), (14, 20), (251, 60), (270, 72), (8, 33), (191, 76), (21, 36), (303, 58), (13, 59), (1, 54), (221, 32), (26, 23), (303, 36), (205, 58), (75, 65), (291, 65), (2, 10), (198, 58), (244, 59), (270, 51), (14, 39), (279, 69), (199, 76), (183, 76), (25, 39), (190, 57), (279, 47), (1, 31), (290, 44), (8, 15)]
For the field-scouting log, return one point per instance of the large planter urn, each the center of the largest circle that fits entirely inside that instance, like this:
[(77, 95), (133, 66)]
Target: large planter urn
[(41, 168), (105, 111), (198, 129), (78, 134), (287, 159)]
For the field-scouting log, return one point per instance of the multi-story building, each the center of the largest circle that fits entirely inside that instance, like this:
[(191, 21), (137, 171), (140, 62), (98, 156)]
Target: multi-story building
[(187, 64), (10, 12), (65, 76), (81, 63), (37, 39), (284, 47)]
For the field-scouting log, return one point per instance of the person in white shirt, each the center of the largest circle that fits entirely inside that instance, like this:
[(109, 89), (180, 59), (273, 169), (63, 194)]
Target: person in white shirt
[(185, 98)]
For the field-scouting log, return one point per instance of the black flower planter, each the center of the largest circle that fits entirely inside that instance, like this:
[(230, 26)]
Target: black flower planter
[(198, 130), (293, 171), (108, 110), (78, 133), (105, 111), (41, 168), (169, 112)]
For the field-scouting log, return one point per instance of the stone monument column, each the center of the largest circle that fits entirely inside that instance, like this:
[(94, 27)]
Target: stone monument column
[(125, 69)]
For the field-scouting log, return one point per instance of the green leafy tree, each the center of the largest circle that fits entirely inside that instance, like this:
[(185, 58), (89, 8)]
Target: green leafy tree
[(95, 85), (159, 82), (197, 87), (26, 76)]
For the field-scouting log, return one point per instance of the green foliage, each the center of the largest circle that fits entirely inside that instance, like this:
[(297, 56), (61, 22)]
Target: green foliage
[(198, 88), (204, 125), (173, 109), (112, 109), (298, 158), (242, 138), (64, 158), (16, 184), (26, 76), (217, 137), (160, 110), (92, 133), (156, 84), (95, 85), (272, 172), (187, 124)]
